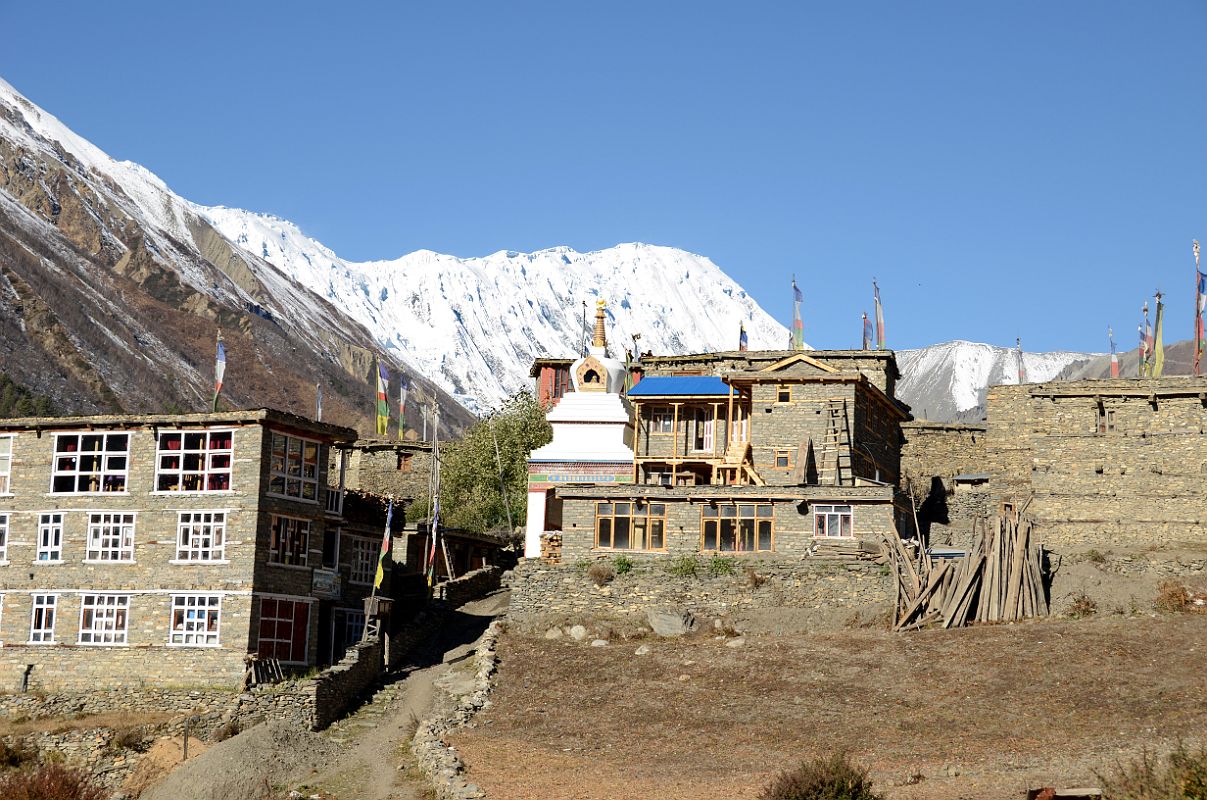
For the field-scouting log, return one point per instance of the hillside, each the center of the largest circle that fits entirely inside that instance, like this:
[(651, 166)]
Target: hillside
[(113, 291)]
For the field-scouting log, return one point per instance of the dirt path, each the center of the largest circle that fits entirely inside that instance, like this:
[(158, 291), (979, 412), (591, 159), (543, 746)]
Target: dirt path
[(362, 757), (374, 737)]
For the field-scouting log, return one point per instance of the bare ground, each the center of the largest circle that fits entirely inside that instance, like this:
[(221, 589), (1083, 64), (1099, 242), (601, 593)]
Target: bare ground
[(982, 712)]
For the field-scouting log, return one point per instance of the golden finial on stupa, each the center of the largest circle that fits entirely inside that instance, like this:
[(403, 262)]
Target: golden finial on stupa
[(601, 336)]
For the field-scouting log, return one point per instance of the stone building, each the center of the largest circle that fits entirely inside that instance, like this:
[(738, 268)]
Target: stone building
[(387, 467), (1117, 462), (161, 550), (945, 473), (758, 453)]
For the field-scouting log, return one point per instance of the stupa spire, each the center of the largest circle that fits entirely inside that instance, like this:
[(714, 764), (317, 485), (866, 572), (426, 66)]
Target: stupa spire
[(601, 336)]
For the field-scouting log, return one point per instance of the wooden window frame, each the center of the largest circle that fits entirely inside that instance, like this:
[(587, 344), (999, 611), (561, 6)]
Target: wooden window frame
[(6, 463), (659, 415), (283, 479), (277, 622), (195, 620), (203, 461), (49, 521), (282, 548), (193, 530), (714, 517), (826, 511), (363, 561), (780, 390), (111, 467), (786, 455), (44, 602), (103, 526), (1106, 420), (104, 619), (645, 521)]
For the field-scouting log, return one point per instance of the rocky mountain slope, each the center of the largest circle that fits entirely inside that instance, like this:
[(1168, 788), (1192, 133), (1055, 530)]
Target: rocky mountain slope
[(947, 382), (113, 289)]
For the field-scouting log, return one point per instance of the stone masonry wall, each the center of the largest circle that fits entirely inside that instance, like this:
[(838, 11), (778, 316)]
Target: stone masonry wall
[(1137, 483), (541, 590), (469, 586)]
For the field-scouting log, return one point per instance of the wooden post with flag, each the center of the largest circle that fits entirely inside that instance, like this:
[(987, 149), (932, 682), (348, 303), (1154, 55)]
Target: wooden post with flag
[(219, 368), (867, 332), (743, 341), (1110, 334), (1158, 364), (879, 310), (1200, 301), (1146, 346), (385, 549), (403, 388), (798, 326), (1022, 369), (382, 406)]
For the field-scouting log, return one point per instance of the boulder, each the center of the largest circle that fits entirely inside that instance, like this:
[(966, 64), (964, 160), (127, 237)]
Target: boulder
[(578, 633), (671, 621)]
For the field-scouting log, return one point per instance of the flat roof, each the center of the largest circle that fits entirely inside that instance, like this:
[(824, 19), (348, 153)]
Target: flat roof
[(254, 416), (680, 386)]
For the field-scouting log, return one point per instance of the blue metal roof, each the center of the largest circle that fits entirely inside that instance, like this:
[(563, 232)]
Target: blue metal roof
[(678, 386)]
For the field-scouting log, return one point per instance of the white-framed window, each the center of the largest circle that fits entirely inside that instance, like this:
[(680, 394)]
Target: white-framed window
[(90, 463), (831, 521), (284, 632), (41, 621), (6, 464), (110, 537), (196, 619), (201, 536), (50, 537), (3, 538), (364, 565), (290, 541), (294, 467), (662, 420), (104, 618), (194, 461)]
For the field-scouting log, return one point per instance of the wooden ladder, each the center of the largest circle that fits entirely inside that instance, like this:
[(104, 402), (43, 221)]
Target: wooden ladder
[(835, 461)]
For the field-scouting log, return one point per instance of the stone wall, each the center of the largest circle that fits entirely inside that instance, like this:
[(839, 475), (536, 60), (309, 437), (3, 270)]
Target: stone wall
[(1105, 463), (540, 590), (940, 450), (469, 586), (387, 467)]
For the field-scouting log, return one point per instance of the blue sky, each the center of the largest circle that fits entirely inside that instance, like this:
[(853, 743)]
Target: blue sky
[(1003, 169)]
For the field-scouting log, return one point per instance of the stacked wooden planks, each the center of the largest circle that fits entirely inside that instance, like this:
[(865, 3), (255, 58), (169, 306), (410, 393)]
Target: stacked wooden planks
[(1001, 580)]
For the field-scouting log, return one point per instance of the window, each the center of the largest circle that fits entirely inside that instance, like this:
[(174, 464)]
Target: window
[(662, 420), (702, 438), (41, 624), (783, 393), (110, 537), (103, 618), (331, 547), (6, 464), (193, 461), (201, 536), (364, 563), (832, 521), (737, 527), (290, 541), (50, 537), (284, 630), (3, 538), (90, 462), (783, 459), (195, 620), (1106, 420), (354, 626), (294, 467), (404, 462), (630, 526)]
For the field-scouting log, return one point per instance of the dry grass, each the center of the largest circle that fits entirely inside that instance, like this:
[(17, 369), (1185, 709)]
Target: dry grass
[(1011, 706), (48, 782), (1082, 606), (832, 778), (117, 720), (1172, 597), (1181, 775)]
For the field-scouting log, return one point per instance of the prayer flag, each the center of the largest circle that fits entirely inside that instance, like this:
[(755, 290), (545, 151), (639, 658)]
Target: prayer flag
[(219, 369), (743, 342), (385, 549), (402, 405), (867, 332), (880, 332), (1022, 369), (433, 532), (383, 407), (1158, 340), (798, 327), (1200, 300), (1114, 355), (318, 402)]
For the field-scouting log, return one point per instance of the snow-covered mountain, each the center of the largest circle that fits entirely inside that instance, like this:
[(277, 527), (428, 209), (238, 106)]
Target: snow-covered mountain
[(476, 324), (948, 381)]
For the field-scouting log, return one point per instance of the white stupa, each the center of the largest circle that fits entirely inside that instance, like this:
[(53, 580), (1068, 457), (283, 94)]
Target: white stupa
[(592, 435)]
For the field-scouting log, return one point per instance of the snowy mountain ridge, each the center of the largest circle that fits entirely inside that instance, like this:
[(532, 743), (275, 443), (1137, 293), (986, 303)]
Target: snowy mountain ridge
[(947, 381)]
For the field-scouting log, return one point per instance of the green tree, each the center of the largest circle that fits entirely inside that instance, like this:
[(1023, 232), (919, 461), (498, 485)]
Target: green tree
[(470, 495)]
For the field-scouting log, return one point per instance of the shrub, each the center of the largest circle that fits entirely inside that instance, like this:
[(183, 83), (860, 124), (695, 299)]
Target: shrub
[(14, 755), (129, 739), (1095, 557), (1083, 606), (718, 566), (753, 579), (600, 573), (622, 564), (684, 567), (1182, 775), (48, 782), (833, 778), (1172, 597)]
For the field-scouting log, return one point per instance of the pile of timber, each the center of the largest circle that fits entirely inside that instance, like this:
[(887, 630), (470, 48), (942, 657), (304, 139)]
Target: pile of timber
[(846, 550), (1001, 580)]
